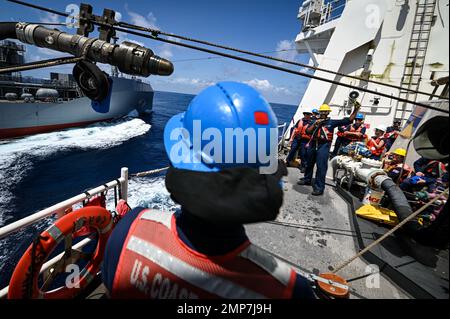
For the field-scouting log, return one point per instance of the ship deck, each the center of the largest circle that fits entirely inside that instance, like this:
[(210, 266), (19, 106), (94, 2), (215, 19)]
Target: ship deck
[(317, 235)]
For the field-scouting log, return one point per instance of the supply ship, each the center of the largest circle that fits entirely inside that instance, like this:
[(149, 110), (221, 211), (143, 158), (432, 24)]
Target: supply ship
[(30, 105)]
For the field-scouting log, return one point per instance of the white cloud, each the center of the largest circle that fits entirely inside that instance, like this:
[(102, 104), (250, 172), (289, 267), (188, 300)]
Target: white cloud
[(148, 21), (263, 85), (50, 18), (166, 51), (198, 83), (266, 86), (287, 50)]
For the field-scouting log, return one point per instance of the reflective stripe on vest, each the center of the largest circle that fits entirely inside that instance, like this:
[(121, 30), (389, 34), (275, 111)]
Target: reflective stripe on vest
[(159, 217), (278, 269), (201, 279), (325, 134), (155, 263)]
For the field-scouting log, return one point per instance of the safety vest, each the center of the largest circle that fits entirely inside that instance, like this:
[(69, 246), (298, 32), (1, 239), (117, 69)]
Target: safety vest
[(303, 133), (300, 130), (373, 149), (324, 134), (353, 130), (392, 134), (435, 169), (339, 132), (155, 263)]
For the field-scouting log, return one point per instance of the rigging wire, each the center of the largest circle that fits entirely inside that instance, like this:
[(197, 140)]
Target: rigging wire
[(270, 66), (41, 64), (218, 57), (158, 32), (155, 33), (48, 23)]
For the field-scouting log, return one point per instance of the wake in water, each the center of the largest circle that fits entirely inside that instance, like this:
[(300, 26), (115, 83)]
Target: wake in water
[(17, 155)]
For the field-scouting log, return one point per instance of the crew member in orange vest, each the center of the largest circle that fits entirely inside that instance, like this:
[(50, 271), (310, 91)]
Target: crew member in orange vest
[(202, 250), (319, 147), (351, 133), (377, 144), (429, 168), (393, 163), (299, 140)]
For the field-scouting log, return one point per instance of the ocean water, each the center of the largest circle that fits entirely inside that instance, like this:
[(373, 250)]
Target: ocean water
[(41, 170)]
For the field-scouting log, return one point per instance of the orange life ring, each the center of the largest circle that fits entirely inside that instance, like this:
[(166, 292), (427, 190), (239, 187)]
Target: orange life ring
[(24, 281)]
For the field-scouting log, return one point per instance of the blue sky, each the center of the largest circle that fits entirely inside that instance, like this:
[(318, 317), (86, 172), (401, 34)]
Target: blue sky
[(258, 26)]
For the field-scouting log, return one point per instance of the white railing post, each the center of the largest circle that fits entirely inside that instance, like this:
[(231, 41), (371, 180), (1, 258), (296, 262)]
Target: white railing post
[(124, 181)]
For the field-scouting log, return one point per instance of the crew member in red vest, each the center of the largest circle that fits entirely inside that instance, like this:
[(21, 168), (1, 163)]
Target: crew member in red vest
[(395, 166), (319, 147), (355, 132), (429, 168), (377, 144), (299, 140), (202, 250)]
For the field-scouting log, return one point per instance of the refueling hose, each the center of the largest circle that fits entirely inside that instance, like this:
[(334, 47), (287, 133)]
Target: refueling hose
[(8, 30), (400, 205)]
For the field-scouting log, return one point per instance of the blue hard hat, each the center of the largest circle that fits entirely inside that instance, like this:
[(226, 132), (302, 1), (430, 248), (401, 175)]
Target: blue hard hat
[(315, 111), (199, 139), (359, 116)]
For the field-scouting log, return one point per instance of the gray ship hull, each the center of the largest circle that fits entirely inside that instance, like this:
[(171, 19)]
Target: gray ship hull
[(18, 118)]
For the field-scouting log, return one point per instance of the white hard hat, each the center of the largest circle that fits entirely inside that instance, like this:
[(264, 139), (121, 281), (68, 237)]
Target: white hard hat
[(381, 127)]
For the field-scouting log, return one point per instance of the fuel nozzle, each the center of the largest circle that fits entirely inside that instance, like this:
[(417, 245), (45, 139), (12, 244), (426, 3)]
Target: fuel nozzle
[(164, 66), (134, 59)]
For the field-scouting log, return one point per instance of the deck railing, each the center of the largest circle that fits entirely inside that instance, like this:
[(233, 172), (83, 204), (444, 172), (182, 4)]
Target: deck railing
[(59, 208)]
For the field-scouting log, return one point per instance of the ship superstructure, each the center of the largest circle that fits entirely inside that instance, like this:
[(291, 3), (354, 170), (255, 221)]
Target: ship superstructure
[(403, 43)]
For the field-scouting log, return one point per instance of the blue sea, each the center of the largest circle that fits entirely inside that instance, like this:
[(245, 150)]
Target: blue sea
[(41, 170)]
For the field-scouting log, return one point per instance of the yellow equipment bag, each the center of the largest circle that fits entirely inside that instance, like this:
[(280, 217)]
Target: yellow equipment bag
[(378, 214)]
